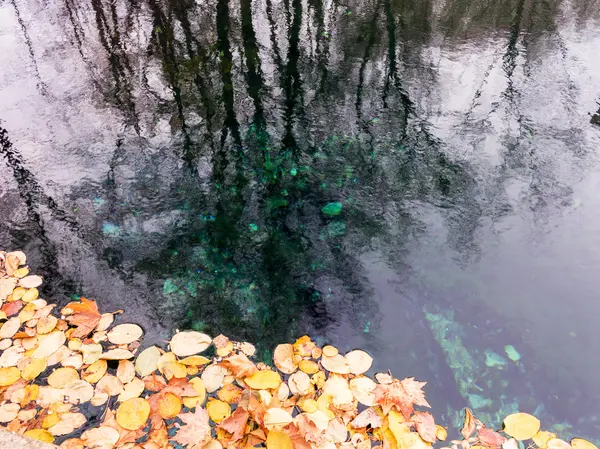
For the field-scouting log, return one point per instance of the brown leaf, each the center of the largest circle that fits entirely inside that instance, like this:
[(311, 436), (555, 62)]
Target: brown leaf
[(181, 387), (236, 423), (84, 315), (367, 417), (154, 382), (489, 437), (12, 308), (195, 431), (469, 425), (425, 426)]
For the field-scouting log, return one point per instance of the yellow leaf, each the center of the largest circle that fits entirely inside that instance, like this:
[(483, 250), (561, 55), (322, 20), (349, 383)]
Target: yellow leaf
[(132, 390), (263, 380), (169, 405), (218, 410), (40, 434), (49, 343), (189, 343), (50, 420), (330, 351), (123, 334), (10, 328), (195, 360), (8, 412), (133, 413), (26, 313), (117, 354), (283, 356), (21, 272), (125, 371), (541, 438), (95, 371), (174, 369), (61, 377), (308, 366), (31, 295), (580, 443), (279, 440), (9, 376), (147, 361), (359, 361), (557, 443), (33, 369), (441, 433), (521, 426), (277, 417)]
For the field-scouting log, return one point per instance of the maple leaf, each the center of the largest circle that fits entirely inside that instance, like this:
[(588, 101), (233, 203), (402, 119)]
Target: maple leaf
[(180, 387), (297, 439), (236, 423), (425, 426), (239, 365), (414, 389), (394, 395), (196, 431), (84, 315)]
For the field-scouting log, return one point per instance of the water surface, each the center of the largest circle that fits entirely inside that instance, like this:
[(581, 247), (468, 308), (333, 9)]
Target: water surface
[(419, 179)]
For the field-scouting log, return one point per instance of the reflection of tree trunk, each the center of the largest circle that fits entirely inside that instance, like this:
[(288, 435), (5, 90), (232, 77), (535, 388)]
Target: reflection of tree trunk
[(27, 39), (254, 74), (392, 76), (163, 34), (119, 63)]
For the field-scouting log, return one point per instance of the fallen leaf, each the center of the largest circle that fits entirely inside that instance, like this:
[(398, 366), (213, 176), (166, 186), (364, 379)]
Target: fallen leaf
[(8, 412), (110, 384), (10, 328), (283, 356), (263, 380), (102, 437), (425, 426), (9, 376), (84, 315), (521, 426), (414, 389), (133, 413), (218, 410), (277, 417), (147, 361), (123, 334), (33, 369), (189, 343), (126, 371), (30, 281), (359, 361), (468, 425), (213, 376), (195, 431), (48, 344), (368, 417), (40, 434), (580, 443), (67, 424), (542, 437), (239, 365), (116, 354), (490, 437), (95, 371), (169, 405), (132, 389), (279, 440), (61, 377), (236, 424), (335, 364), (78, 392)]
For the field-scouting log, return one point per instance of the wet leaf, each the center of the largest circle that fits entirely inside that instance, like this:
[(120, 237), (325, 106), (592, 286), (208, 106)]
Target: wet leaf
[(580, 443), (213, 376), (111, 385), (263, 380), (189, 343), (279, 440), (147, 361), (102, 437), (132, 389), (84, 315), (195, 431), (124, 334), (9, 376), (218, 410), (40, 434), (521, 426), (541, 438), (117, 354), (61, 377), (95, 371), (30, 281), (277, 417), (359, 361), (490, 437), (169, 405), (236, 424), (283, 356), (132, 414), (48, 344), (468, 425), (239, 365), (10, 328), (425, 426), (78, 391), (8, 412), (368, 417), (33, 369)]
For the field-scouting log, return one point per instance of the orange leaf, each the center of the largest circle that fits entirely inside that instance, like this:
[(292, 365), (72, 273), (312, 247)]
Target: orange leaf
[(239, 365), (236, 423), (425, 426), (85, 316), (154, 382), (489, 437), (469, 425), (195, 431), (394, 395)]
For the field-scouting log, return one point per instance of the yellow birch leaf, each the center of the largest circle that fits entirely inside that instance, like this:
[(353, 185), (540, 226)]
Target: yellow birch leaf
[(279, 440), (263, 380), (195, 360), (541, 438), (31, 295), (33, 369), (441, 433), (189, 343), (41, 435), (580, 443), (169, 405), (123, 334), (62, 377), (95, 371), (308, 366), (147, 361), (218, 410), (9, 376), (133, 413), (521, 426), (283, 356)]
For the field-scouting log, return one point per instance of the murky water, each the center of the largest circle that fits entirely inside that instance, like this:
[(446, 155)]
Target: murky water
[(419, 179)]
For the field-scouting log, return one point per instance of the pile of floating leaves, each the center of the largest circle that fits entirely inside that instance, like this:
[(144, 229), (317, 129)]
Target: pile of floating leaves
[(54, 367)]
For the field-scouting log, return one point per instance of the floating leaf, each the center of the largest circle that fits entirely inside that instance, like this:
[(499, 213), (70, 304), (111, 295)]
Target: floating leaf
[(117, 354), (8, 412), (279, 440), (263, 380), (283, 356), (100, 437), (61, 377), (218, 410), (359, 361), (9, 376), (84, 315), (78, 391), (33, 369), (10, 328), (133, 413), (95, 371), (469, 425), (521, 426), (40, 434), (48, 344), (580, 443), (169, 405), (195, 430), (541, 438), (30, 281), (147, 361), (123, 334), (189, 343)]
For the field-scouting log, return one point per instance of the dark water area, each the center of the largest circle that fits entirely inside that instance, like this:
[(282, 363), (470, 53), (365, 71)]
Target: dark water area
[(415, 178)]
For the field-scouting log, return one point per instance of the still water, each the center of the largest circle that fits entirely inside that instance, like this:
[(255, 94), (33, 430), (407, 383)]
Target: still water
[(416, 178)]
